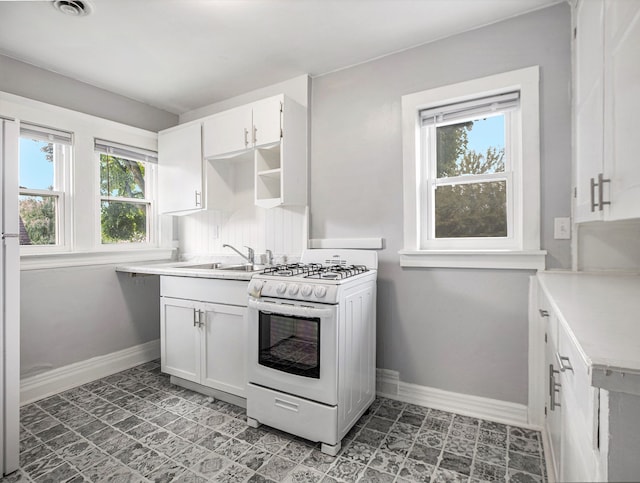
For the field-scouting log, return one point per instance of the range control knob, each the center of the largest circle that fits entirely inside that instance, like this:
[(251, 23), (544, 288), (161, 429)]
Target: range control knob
[(255, 288), (320, 291), (306, 290), (281, 288), (293, 289)]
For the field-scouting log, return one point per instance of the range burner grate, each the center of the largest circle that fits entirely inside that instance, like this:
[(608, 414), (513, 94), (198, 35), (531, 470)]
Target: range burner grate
[(316, 270)]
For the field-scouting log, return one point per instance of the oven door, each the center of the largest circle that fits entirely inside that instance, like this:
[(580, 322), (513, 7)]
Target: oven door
[(293, 348)]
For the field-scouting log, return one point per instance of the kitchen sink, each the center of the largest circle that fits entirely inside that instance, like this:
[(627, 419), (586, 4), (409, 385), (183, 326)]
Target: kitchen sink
[(222, 266), (242, 268)]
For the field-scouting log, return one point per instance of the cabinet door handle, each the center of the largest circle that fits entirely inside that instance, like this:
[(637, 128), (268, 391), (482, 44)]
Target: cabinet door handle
[(255, 135), (594, 205), (554, 388), (543, 313), (196, 316), (564, 363), (198, 198), (601, 182)]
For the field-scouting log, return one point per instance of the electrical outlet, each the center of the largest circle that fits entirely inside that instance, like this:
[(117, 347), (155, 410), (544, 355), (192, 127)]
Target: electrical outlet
[(562, 228)]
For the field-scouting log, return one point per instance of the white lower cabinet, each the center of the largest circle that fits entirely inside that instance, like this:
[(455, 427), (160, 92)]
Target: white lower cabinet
[(179, 339), (203, 341), (571, 404)]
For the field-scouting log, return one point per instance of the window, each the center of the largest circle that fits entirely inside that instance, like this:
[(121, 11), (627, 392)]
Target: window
[(471, 174), (44, 179), (127, 179), (468, 152)]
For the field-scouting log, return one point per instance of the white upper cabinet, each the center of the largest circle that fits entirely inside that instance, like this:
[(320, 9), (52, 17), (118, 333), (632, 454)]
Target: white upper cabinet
[(255, 153), (273, 133), (607, 97), (228, 132), (622, 106), (589, 116), (267, 121), (281, 166), (180, 178), (244, 127)]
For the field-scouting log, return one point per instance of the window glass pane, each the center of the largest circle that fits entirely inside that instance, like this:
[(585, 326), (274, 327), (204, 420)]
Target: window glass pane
[(471, 210), (121, 177), (473, 147), (37, 219), (36, 164), (123, 222)]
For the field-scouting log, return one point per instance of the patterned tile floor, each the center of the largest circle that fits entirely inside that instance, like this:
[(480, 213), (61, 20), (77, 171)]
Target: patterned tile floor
[(135, 427)]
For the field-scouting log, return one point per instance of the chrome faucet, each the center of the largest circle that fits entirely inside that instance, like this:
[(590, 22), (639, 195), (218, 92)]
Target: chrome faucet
[(249, 257)]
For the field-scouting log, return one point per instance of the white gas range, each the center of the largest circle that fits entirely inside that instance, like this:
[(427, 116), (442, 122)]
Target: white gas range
[(312, 333)]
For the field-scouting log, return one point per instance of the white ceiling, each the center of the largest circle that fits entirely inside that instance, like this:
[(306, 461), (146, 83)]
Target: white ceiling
[(179, 55)]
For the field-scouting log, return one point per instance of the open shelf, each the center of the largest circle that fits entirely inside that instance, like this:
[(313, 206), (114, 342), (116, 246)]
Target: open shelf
[(268, 158)]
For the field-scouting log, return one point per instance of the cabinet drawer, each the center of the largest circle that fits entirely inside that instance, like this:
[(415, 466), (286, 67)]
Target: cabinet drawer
[(217, 291), (294, 415)]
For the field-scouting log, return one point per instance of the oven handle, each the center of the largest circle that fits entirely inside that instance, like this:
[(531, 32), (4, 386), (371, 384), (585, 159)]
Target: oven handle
[(293, 310)]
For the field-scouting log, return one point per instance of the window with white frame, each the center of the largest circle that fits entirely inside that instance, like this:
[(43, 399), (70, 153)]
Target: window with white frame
[(44, 201), (127, 193), (471, 174), (469, 155)]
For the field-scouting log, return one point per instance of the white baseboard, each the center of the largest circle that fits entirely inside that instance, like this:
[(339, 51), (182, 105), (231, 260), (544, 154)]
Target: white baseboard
[(388, 384), (57, 380)]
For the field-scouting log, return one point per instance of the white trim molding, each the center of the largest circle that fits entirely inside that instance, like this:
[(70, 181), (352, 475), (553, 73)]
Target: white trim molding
[(57, 380), (360, 243), (525, 260), (81, 259), (478, 407)]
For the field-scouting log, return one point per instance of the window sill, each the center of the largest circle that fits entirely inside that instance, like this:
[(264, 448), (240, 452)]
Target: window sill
[(78, 259), (497, 259)]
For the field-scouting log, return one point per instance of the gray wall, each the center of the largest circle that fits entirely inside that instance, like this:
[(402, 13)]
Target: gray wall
[(42, 85), (453, 329), (73, 314)]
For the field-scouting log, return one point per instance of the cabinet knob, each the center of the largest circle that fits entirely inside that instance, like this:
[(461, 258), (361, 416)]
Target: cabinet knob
[(543, 313)]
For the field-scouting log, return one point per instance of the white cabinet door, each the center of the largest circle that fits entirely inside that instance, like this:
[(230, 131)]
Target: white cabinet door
[(622, 105), (179, 338), (180, 180), (589, 116), (223, 348), (267, 121), (553, 405), (227, 132)]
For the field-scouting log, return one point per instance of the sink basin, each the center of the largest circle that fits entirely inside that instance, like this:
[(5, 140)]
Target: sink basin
[(204, 266), (241, 268), (222, 266)]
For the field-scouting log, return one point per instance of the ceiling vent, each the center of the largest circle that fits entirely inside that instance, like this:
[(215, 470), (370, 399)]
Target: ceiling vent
[(74, 8)]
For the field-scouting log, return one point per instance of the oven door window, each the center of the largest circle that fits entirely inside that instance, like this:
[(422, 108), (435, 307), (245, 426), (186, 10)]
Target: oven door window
[(290, 344)]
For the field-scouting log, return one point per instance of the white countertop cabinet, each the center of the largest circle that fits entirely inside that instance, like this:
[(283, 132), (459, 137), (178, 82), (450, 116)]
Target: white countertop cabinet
[(607, 100), (203, 331), (592, 374)]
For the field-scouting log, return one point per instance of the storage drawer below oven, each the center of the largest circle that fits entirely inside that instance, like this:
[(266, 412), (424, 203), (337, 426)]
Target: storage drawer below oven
[(304, 418)]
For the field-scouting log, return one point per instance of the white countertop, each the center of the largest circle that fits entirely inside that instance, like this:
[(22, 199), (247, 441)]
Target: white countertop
[(602, 313), (177, 269)]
